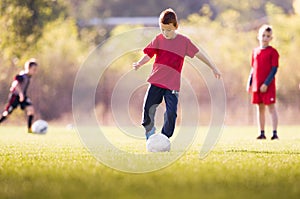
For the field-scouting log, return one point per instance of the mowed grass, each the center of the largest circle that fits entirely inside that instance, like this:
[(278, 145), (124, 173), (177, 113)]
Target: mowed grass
[(56, 165)]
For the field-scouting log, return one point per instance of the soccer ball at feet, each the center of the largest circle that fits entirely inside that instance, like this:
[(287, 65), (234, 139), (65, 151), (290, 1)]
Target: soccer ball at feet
[(158, 143), (39, 127)]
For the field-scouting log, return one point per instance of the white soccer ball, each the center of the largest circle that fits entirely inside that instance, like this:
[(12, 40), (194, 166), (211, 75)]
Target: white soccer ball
[(40, 127), (158, 143)]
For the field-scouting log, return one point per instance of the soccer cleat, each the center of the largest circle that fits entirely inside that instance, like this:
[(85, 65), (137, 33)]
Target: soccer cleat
[(274, 137), (149, 133), (29, 130), (261, 137)]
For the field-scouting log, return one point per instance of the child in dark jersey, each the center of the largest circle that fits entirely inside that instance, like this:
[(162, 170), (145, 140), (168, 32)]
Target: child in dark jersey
[(170, 48), (18, 93)]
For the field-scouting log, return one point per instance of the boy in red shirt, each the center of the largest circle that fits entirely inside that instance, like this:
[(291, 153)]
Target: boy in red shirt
[(170, 48), (262, 80)]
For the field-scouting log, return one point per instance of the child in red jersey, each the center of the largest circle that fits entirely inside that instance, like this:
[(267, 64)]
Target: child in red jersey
[(170, 48), (261, 82), (18, 93)]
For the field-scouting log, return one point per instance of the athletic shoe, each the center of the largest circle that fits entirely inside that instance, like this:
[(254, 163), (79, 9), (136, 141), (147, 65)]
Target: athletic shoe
[(149, 133), (261, 137), (29, 131), (274, 137)]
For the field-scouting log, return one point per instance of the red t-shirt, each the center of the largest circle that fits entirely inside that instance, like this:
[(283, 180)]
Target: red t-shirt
[(169, 59), (262, 62)]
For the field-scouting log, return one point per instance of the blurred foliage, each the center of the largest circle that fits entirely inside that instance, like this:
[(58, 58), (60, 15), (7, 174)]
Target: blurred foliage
[(231, 55), (226, 30), (250, 9), (230, 46), (247, 13), (60, 53), (22, 22), (287, 41), (100, 8)]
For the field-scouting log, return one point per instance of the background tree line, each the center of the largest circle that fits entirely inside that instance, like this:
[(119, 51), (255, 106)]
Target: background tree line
[(50, 31)]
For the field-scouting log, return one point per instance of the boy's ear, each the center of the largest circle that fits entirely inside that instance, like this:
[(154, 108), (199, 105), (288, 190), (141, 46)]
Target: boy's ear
[(257, 36), (176, 26)]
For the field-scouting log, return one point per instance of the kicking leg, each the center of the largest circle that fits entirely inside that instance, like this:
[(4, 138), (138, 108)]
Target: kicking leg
[(13, 102), (153, 98), (4, 116)]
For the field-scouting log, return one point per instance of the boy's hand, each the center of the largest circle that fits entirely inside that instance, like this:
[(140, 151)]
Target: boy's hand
[(136, 65), (217, 73), (249, 88), (21, 97), (263, 88)]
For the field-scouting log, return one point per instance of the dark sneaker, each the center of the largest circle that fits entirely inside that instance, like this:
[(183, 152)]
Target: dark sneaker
[(261, 137), (274, 137), (29, 131)]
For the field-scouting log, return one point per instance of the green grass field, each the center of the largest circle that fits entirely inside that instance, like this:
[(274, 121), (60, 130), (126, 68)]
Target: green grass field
[(56, 165)]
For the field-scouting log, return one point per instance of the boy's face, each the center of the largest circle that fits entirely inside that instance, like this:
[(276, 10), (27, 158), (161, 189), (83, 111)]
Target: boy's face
[(168, 30), (264, 37), (32, 70)]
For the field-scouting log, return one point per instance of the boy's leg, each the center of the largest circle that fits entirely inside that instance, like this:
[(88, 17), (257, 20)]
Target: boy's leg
[(261, 120), (274, 118), (153, 98), (13, 102), (30, 115), (170, 115), (28, 107), (3, 116)]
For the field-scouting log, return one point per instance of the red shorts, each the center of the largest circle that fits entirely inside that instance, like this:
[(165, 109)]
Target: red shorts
[(266, 98)]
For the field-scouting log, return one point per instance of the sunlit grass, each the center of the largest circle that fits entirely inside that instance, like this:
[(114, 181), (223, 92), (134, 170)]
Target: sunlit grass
[(56, 165)]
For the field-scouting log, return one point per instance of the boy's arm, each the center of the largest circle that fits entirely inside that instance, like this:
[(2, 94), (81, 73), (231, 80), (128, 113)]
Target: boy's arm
[(211, 65), (249, 82), (269, 79), (15, 87), (141, 62), (271, 75)]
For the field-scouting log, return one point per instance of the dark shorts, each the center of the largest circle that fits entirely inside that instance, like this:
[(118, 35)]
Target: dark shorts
[(14, 102)]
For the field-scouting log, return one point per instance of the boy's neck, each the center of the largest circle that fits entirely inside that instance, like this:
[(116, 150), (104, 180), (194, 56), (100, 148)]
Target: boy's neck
[(175, 35), (264, 46)]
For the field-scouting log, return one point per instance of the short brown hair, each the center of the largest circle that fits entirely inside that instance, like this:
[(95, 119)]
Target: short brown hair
[(168, 16), (30, 63), (265, 27)]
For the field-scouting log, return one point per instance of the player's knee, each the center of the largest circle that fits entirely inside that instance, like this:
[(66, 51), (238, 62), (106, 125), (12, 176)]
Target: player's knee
[(5, 113), (261, 107), (272, 108), (30, 111), (172, 114)]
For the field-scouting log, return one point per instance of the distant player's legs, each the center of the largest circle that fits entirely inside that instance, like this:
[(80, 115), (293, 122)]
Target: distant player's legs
[(30, 115), (261, 120), (26, 105), (170, 114), (3, 116), (274, 118), (13, 102)]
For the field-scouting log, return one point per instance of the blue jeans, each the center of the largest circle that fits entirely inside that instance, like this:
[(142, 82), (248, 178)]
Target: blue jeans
[(155, 95)]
